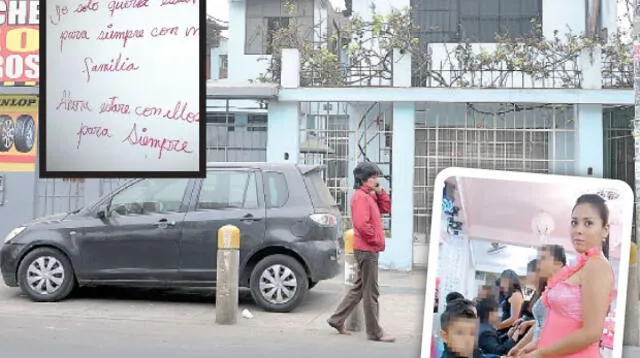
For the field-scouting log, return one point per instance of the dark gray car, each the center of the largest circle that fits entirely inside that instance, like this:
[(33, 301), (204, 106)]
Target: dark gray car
[(163, 233)]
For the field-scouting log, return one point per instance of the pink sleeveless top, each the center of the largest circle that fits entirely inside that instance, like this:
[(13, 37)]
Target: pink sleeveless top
[(564, 301)]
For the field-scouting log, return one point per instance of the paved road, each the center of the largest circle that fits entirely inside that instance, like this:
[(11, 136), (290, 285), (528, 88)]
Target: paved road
[(130, 323)]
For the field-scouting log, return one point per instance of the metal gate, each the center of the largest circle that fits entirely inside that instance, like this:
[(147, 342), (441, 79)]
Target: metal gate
[(338, 135), (618, 144), (519, 137), (237, 131), (58, 195)]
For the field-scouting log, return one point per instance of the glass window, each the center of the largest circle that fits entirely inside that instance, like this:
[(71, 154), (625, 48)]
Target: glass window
[(277, 192), (228, 190), (150, 196)]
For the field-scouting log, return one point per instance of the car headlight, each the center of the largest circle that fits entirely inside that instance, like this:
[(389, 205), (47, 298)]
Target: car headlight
[(15, 232)]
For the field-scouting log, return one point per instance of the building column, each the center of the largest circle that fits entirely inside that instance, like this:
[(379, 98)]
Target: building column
[(283, 123), (590, 127), (589, 152), (283, 132), (399, 249)]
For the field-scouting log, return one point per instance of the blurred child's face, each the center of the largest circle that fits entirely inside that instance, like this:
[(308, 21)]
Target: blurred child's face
[(460, 336), (494, 317)]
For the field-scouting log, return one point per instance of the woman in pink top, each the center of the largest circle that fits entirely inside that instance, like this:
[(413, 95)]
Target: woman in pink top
[(579, 296)]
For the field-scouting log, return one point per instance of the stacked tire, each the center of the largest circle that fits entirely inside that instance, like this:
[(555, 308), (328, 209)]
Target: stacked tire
[(20, 134)]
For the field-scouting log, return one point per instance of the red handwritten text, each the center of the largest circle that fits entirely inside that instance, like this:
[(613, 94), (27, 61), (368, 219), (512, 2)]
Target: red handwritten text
[(97, 132), (73, 35), (111, 106), (161, 144), (177, 2), (179, 112), (88, 5), (126, 4), (192, 31), (60, 12), (120, 35), (67, 103), (164, 31), (117, 64)]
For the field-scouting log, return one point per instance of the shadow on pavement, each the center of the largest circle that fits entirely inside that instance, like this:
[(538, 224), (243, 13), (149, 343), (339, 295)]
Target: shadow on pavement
[(206, 296)]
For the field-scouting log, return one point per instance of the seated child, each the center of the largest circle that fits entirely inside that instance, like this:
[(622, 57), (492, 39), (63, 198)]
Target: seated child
[(459, 327)]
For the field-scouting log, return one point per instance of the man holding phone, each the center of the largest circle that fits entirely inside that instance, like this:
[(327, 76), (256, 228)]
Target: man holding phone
[(368, 203)]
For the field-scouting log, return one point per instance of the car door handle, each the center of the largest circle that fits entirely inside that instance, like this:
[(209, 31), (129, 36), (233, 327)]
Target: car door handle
[(164, 223), (249, 218)]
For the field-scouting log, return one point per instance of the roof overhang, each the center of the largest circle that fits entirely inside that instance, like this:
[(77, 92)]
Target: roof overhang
[(257, 91)]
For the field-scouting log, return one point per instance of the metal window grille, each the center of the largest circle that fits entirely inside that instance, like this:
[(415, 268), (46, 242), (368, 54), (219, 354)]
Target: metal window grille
[(519, 137), (58, 195), (237, 131)]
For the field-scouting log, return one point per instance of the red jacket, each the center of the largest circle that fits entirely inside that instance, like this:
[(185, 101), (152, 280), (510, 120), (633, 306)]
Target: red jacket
[(366, 210)]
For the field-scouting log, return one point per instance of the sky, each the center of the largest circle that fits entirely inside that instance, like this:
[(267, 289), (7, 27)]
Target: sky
[(220, 8)]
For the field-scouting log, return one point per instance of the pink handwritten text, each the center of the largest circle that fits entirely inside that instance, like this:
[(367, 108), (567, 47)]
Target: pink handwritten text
[(70, 104), (117, 64), (177, 2), (120, 35), (161, 144), (179, 112), (73, 35), (88, 5), (96, 132), (164, 31), (126, 4), (192, 31), (61, 11), (111, 106)]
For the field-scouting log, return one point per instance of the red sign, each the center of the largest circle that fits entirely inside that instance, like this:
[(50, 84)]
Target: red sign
[(19, 42)]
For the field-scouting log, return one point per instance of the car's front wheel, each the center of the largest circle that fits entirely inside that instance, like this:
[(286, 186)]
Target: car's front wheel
[(45, 275), (278, 283)]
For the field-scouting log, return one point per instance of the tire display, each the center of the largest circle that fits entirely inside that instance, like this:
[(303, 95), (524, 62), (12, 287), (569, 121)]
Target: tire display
[(24, 133), (20, 133), (6, 133)]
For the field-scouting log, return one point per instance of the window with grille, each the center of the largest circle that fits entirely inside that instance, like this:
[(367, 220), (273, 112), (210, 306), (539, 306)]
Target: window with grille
[(443, 21)]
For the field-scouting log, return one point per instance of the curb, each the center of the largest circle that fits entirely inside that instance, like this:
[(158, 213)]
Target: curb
[(631, 351)]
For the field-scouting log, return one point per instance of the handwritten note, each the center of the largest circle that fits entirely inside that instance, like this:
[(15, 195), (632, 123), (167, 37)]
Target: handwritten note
[(122, 85)]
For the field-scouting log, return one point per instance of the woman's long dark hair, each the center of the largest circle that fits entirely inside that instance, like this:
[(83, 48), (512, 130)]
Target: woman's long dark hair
[(600, 205), (514, 282)]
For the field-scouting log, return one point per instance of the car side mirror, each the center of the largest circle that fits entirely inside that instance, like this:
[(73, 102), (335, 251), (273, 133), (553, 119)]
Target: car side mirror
[(102, 212)]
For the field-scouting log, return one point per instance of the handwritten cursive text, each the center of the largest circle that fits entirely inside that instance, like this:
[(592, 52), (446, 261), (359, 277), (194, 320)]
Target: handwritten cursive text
[(111, 106), (126, 4), (161, 144), (120, 35), (68, 103), (117, 64), (73, 35), (97, 132)]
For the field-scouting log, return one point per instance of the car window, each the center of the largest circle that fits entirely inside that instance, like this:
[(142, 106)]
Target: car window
[(150, 196), (276, 189), (320, 194), (228, 190)]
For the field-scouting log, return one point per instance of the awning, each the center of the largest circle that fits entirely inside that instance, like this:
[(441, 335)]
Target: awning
[(226, 90)]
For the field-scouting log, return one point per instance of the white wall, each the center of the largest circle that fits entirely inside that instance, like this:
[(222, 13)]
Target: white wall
[(242, 68)]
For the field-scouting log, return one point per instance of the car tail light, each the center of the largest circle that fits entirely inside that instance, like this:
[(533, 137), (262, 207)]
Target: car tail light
[(324, 219)]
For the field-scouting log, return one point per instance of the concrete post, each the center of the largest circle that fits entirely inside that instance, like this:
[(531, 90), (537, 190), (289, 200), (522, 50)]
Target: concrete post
[(631, 332), (354, 322), (227, 275)]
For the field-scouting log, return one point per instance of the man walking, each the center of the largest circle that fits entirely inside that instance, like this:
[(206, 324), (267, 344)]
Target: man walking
[(367, 204)]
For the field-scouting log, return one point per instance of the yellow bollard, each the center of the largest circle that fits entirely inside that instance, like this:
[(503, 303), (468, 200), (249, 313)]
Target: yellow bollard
[(632, 316), (354, 322), (227, 275)]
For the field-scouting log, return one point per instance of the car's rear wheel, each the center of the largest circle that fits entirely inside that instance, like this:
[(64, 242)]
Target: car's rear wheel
[(278, 283), (45, 275)]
